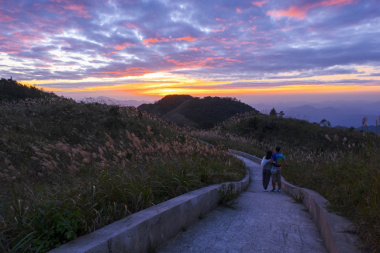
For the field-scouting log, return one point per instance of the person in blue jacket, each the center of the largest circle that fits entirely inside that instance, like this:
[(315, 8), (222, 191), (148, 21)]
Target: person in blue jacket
[(278, 163)]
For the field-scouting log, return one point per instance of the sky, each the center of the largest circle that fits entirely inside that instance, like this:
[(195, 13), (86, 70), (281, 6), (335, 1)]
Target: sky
[(264, 50)]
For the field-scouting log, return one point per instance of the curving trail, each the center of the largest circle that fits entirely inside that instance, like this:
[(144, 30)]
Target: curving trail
[(258, 222)]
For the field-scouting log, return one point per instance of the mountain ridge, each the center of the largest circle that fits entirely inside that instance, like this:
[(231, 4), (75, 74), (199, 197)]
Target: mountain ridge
[(198, 112)]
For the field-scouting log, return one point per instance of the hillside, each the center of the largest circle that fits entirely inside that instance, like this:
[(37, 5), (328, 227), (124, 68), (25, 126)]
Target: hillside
[(67, 168), (11, 90), (340, 164), (165, 105), (202, 113)]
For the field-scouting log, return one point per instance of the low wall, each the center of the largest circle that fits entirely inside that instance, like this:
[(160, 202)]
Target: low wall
[(335, 229), (149, 228)]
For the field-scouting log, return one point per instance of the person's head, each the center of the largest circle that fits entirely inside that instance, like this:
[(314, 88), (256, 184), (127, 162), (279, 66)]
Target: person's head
[(269, 154), (278, 149)]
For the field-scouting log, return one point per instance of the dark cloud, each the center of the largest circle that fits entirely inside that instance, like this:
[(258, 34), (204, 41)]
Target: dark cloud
[(216, 39)]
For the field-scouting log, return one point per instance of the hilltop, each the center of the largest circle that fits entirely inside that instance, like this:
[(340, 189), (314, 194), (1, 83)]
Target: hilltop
[(203, 113), (11, 90), (68, 168)]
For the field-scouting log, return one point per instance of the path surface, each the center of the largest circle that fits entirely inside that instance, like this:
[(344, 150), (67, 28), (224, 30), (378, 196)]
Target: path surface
[(258, 222)]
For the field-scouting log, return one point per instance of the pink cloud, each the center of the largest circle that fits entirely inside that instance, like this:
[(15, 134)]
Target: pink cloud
[(259, 3), (249, 43), (293, 12), (124, 45), (11, 47), (26, 37), (62, 6), (208, 62), (200, 49), (6, 18), (136, 71), (222, 29), (224, 40), (232, 60), (300, 12), (238, 10), (80, 9), (132, 26)]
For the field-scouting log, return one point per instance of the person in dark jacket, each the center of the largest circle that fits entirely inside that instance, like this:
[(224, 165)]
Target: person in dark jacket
[(267, 164)]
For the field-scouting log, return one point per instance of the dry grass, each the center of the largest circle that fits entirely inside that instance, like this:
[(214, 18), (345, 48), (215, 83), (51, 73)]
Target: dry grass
[(68, 169), (341, 165)]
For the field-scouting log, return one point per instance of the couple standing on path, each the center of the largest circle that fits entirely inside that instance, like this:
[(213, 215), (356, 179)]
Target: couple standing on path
[(271, 164)]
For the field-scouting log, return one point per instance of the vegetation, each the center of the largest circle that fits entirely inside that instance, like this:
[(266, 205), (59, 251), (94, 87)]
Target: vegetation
[(10, 90), (67, 168), (203, 113), (340, 164), (165, 105)]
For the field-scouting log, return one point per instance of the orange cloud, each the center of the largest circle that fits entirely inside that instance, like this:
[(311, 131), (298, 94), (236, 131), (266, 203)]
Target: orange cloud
[(156, 40), (300, 12), (186, 38)]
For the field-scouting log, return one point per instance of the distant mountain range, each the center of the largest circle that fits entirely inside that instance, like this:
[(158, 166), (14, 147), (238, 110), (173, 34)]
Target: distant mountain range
[(111, 101), (338, 113)]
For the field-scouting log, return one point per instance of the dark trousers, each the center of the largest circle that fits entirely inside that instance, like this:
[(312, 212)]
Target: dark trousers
[(266, 178)]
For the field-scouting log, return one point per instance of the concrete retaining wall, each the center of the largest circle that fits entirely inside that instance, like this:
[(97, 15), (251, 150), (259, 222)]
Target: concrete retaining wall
[(149, 228), (335, 229)]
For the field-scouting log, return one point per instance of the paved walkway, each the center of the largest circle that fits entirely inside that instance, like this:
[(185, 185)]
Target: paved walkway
[(258, 222)]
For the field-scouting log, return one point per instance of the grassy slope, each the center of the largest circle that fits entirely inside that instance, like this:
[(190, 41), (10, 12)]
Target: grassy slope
[(342, 165), (67, 168)]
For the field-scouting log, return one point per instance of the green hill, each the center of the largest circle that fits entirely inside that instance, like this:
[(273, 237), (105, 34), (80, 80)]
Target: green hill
[(202, 113), (67, 168), (165, 105)]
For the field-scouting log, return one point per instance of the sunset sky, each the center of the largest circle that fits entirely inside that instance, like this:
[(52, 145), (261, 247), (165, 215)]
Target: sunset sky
[(258, 50)]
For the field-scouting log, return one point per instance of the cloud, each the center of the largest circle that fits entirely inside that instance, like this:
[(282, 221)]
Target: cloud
[(134, 71), (300, 12), (259, 3), (216, 39)]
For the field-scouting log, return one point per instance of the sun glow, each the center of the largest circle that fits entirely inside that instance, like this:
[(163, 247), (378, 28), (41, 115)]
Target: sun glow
[(164, 83)]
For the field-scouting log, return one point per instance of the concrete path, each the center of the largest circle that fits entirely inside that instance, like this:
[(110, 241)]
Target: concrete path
[(258, 222)]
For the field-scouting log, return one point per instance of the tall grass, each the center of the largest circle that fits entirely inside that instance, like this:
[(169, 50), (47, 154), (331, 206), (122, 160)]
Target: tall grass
[(341, 165), (67, 169)]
